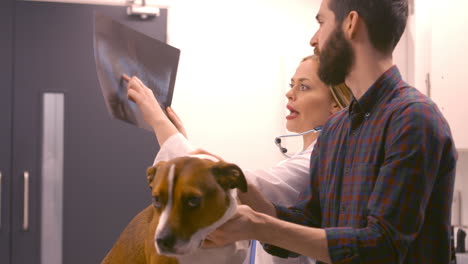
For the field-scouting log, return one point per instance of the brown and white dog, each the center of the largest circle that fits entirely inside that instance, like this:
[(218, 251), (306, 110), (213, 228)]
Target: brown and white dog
[(192, 196)]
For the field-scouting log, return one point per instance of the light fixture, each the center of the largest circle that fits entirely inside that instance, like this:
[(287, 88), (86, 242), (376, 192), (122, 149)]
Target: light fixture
[(142, 10)]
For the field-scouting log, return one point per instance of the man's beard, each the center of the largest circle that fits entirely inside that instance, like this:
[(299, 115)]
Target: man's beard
[(336, 59)]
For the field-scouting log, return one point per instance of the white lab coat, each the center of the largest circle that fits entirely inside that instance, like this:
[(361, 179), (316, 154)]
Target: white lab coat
[(281, 184)]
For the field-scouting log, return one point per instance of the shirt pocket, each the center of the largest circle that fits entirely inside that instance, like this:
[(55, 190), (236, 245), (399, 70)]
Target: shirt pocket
[(357, 187)]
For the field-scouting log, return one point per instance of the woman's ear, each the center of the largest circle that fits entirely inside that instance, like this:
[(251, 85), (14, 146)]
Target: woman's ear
[(334, 108)]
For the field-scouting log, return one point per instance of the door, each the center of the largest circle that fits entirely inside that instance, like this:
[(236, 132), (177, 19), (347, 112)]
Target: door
[(6, 50), (98, 164)]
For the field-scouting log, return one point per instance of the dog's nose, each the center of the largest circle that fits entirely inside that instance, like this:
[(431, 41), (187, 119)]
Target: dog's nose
[(166, 242)]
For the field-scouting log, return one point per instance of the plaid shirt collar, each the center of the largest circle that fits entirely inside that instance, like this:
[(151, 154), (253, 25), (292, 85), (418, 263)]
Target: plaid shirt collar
[(381, 88)]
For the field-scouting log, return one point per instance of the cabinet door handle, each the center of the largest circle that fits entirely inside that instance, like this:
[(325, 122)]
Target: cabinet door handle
[(1, 186), (428, 84), (26, 202)]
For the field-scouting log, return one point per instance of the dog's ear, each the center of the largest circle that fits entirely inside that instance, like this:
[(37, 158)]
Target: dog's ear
[(229, 176), (151, 172)]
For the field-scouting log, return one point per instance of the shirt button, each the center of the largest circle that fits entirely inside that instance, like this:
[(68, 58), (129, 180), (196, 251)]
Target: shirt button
[(295, 210), (348, 252), (343, 208)]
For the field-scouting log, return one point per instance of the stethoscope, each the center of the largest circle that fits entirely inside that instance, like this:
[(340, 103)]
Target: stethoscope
[(284, 150)]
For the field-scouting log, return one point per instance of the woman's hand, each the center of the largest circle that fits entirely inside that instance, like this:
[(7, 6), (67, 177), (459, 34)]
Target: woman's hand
[(176, 121), (240, 227), (149, 106), (145, 100)]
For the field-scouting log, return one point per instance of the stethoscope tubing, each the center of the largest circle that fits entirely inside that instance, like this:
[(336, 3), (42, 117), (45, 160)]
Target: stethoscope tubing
[(284, 150), (315, 130)]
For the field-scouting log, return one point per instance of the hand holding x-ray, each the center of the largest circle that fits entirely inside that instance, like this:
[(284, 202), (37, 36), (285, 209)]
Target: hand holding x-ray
[(120, 50), (150, 108), (145, 99)]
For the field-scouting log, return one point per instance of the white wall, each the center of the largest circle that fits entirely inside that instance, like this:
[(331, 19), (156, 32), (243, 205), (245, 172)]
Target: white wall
[(436, 37), (449, 65), (236, 61), (418, 33)]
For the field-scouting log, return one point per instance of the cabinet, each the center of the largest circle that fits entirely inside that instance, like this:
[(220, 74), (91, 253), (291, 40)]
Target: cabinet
[(72, 177), (6, 47), (449, 65)]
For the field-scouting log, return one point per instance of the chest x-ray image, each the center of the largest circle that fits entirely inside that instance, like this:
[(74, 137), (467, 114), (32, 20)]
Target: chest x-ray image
[(118, 49)]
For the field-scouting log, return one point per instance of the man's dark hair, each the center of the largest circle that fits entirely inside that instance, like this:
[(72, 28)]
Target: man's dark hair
[(385, 19)]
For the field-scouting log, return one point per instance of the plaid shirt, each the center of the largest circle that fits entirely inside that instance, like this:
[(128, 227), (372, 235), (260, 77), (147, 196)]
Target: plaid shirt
[(382, 176)]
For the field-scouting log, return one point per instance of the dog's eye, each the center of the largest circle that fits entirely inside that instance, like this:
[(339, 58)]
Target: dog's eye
[(156, 202), (194, 202)]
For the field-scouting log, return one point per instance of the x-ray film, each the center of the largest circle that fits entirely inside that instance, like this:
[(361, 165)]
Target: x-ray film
[(119, 50)]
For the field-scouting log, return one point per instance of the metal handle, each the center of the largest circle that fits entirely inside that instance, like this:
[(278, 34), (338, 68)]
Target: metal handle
[(1, 200), (428, 84), (26, 202)]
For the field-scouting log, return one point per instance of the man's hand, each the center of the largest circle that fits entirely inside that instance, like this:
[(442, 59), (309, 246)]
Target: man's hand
[(240, 227)]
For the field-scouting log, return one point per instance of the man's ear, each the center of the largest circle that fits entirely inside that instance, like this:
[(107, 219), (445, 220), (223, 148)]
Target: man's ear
[(151, 172), (351, 23), (229, 176)]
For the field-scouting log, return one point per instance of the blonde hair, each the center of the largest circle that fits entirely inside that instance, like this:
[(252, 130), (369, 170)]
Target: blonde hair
[(341, 94)]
